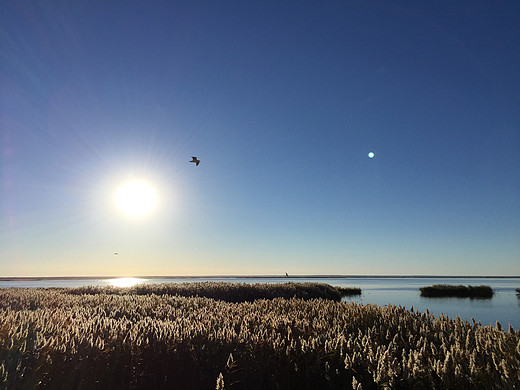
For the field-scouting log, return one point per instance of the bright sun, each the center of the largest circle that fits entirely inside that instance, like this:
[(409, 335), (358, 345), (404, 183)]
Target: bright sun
[(136, 198)]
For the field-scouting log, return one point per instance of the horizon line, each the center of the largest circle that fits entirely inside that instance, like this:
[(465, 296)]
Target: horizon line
[(276, 276)]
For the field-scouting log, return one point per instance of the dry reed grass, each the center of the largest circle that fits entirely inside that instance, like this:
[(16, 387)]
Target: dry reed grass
[(229, 292), (54, 339), (447, 290)]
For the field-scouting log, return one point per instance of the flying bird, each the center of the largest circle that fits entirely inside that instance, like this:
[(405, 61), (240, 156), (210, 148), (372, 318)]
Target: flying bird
[(195, 160), (115, 253)]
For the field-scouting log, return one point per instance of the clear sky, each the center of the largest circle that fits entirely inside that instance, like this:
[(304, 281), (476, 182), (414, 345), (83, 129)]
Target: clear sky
[(281, 101)]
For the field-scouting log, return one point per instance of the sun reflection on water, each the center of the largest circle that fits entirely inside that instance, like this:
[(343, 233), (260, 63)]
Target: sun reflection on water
[(125, 282)]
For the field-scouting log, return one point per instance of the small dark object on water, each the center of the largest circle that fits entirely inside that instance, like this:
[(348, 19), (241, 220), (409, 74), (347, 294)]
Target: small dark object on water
[(446, 290)]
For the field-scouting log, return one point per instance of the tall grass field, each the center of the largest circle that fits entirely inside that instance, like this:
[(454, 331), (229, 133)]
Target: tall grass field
[(229, 336)]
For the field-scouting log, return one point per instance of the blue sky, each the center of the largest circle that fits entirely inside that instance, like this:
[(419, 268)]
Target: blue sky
[(281, 101)]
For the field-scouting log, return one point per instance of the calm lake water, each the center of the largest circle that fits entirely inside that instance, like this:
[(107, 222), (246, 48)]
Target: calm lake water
[(504, 307)]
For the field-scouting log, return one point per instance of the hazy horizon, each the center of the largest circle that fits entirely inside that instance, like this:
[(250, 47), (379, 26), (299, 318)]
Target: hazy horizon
[(260, 276)]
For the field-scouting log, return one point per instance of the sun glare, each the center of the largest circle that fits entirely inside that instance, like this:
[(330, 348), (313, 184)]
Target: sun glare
[(136, 198), (125, 282)]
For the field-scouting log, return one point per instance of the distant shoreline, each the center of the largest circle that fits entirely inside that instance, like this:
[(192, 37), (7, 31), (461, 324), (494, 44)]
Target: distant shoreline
[(36, 278)]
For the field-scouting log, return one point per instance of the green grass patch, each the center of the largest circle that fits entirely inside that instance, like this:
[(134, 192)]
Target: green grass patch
[(460, 291)]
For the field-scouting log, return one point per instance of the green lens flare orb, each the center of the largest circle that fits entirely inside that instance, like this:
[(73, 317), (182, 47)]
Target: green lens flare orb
[(371, 154)]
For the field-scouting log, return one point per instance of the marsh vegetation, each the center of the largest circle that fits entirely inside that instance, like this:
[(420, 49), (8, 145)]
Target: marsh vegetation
[(58, 338), (225, 291), (447, 290)]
